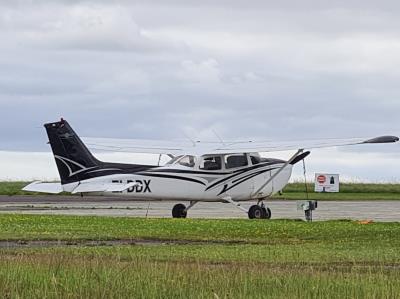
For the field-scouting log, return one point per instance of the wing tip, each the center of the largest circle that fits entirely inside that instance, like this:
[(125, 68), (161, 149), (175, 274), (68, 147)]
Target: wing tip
[(382, 139)]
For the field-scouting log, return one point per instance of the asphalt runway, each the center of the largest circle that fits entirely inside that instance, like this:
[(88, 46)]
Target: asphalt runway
[(111, 206)]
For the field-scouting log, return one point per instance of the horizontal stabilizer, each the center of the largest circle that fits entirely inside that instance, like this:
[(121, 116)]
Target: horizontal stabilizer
[(53, 188), (103, 187)]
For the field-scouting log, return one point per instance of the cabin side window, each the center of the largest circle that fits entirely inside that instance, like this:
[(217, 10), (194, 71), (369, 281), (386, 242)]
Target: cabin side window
[(234, 161), (211, 163)]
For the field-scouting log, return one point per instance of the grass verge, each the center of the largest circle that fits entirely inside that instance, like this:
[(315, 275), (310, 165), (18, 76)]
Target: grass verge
[(236, 259), (51, 227), (348, 191), (123, 273)]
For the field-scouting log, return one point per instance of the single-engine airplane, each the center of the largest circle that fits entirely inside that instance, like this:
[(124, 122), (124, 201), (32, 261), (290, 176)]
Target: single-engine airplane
[(197, 172)]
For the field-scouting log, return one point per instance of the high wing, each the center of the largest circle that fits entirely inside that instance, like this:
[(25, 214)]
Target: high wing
[(200, 148), (139, 145), (268, 146)]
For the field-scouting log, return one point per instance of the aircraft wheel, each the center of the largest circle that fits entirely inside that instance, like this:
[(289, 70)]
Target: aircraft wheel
[(178, 211), (256, 212), (267, 213)]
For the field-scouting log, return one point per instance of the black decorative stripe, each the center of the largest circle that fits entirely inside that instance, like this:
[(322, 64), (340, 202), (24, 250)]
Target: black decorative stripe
[(171, 177), (241, 171), (226, 188), (250, 174), (242, 179), (223, 180), (262, 164), (238, 171)]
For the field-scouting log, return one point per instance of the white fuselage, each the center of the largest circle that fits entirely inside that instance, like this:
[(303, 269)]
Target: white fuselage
[(177, 182)]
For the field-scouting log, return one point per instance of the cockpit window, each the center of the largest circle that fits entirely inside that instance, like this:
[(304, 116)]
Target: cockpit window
[(211, 163), (188, 161), (233, 161), (255, 159)]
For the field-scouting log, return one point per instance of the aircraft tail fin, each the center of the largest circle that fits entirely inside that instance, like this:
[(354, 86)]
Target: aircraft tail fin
[(72, 157)]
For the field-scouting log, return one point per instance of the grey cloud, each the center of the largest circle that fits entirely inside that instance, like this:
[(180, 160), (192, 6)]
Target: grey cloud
[(72, 27), (150, 70)]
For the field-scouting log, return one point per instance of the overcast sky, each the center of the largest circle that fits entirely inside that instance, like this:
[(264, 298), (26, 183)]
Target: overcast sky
[(164, 69)]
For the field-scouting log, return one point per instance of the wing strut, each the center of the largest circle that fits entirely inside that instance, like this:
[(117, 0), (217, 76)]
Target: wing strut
[(236, 204), (299, 152)]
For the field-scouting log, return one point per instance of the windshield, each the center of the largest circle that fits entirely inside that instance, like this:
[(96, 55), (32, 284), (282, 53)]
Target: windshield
[(174, 159), (255, 158)]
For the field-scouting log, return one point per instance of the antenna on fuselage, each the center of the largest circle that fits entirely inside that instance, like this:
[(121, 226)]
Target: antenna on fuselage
[(190, 139)]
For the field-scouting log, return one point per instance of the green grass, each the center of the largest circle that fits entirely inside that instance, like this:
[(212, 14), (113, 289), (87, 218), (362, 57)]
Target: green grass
[(349, 188), (348, 191), (51, 227), (235, 259), (126, 272), (13, 188), (293, 191)]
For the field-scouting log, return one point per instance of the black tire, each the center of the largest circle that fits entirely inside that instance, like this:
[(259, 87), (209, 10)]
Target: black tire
[(256, 212), (267, 213), (178, 211)]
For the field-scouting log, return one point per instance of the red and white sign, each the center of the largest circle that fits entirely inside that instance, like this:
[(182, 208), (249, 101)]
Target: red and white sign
[(321, 179), (325, 182)]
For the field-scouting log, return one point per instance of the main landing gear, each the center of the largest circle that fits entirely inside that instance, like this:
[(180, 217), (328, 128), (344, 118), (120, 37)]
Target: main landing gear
[(180, 210), (259, 211)]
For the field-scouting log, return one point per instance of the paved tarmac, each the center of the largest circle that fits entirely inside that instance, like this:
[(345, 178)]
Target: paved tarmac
[(111, 206)]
